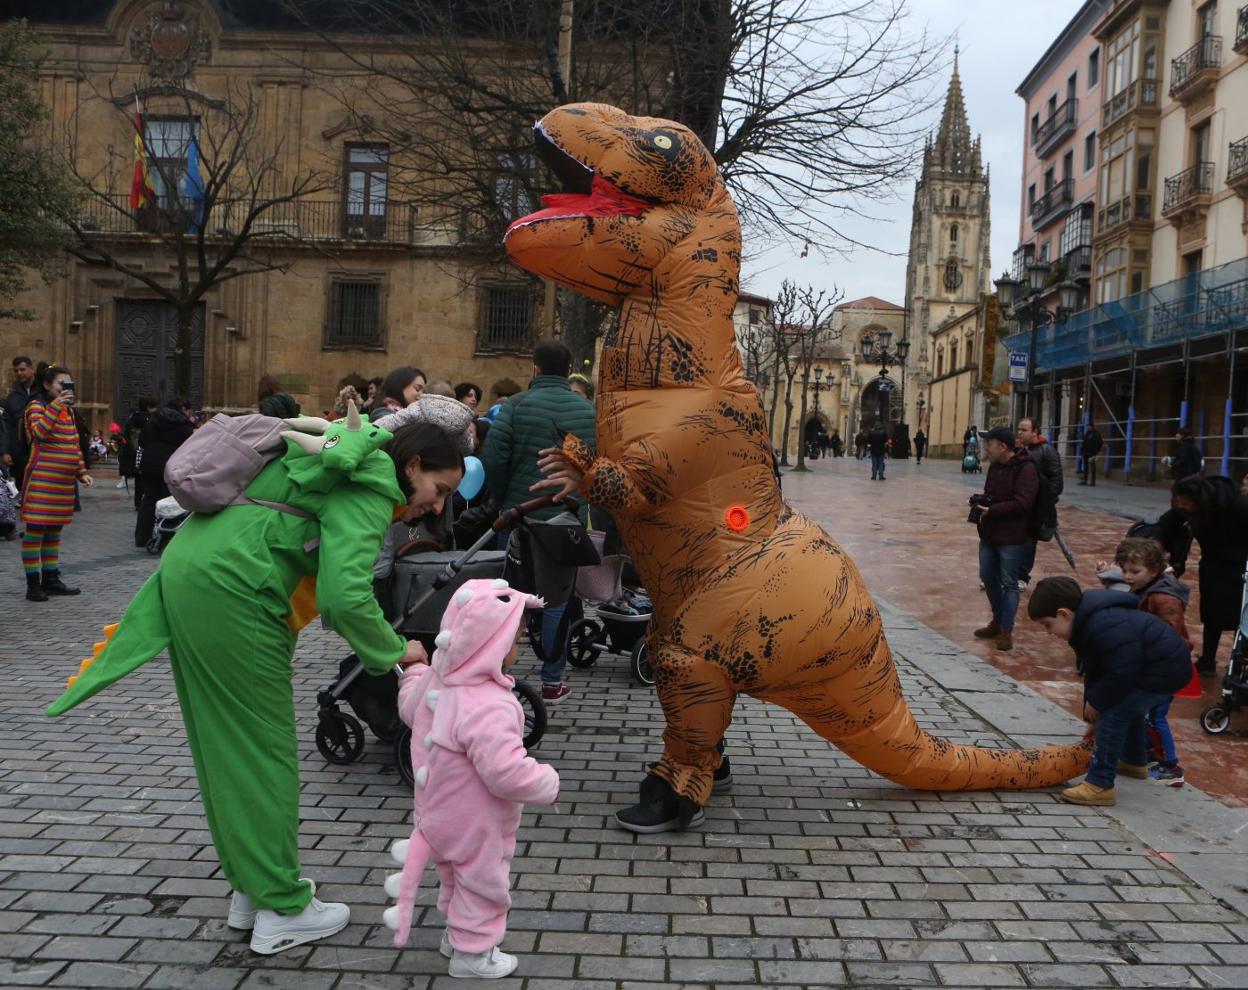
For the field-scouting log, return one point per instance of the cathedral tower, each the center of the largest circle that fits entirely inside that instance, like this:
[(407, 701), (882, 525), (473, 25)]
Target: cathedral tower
[(949, 265)]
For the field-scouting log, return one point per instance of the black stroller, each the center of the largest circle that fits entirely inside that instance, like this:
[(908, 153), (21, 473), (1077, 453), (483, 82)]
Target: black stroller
[(418, 594), (1216, 719)]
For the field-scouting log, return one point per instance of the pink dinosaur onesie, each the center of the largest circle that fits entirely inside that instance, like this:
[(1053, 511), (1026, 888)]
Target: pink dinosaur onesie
[(473, 775)]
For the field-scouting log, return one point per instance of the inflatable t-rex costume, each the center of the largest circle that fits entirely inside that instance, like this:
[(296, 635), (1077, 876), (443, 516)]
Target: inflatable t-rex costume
[(749, 595)]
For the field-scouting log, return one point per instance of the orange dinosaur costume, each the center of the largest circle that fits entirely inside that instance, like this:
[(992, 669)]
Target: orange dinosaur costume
[(749, 595)]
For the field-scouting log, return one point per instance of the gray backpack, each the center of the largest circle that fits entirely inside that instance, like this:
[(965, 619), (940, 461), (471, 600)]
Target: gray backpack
[(212, 469)]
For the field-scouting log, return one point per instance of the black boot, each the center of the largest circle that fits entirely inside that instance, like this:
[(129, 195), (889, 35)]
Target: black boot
[(34, 589), (53, 585), (661, 810)]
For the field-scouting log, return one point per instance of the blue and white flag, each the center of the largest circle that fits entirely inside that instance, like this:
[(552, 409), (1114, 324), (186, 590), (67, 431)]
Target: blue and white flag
[(193, 187)]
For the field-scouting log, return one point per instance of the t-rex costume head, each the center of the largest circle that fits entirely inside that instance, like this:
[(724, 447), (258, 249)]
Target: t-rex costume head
[(749, 595)]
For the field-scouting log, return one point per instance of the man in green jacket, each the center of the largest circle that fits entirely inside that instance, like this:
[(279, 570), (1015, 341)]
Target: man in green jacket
[(528, 423)]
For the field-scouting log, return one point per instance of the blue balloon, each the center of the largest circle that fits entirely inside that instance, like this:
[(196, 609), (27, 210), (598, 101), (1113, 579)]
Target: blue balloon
[(473, 480)]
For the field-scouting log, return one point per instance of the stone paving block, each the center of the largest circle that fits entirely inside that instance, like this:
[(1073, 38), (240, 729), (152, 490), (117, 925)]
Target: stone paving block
[(37, 973), (1153, 976), (102, 974), (890, 974), (979, 974), (195, 978), (1065, 975)]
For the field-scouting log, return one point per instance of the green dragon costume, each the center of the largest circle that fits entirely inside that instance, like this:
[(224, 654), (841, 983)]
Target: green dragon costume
[(227, 601)]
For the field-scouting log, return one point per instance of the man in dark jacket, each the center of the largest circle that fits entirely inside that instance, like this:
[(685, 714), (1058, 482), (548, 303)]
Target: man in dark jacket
[(13, 449), (165, 432), (1004, 530), (877, 442), (1089, 447), (1049, 464), (530, 422), (1131, 662), (1188, 458)]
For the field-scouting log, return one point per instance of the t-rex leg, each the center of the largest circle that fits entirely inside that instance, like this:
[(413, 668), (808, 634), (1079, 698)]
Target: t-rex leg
[(697, 698)]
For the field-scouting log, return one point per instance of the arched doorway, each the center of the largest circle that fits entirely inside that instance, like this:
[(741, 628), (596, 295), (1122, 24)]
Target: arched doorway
[(815, 435), (881, 399)]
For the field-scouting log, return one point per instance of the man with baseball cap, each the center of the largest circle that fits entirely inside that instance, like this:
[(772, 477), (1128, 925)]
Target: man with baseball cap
[(1004, 522)]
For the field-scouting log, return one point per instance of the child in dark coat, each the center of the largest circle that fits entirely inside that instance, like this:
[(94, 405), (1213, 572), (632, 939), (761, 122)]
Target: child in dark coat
[(1140, 567), (1131, 662)]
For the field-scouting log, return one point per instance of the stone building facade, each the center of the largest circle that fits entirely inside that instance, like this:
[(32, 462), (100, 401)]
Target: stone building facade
[(364, 281)]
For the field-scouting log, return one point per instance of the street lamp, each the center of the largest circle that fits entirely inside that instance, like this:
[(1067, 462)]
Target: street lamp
[(919, 403)]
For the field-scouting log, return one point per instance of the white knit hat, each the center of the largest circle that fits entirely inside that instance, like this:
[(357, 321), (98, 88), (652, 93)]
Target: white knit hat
[(451, 415)]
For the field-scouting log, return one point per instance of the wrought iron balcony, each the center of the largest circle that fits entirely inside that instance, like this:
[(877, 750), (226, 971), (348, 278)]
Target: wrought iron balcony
[(1237, 166), (1190, 189), (300, 221), (1053, 204), (1241, 31), (1197, 68), (1061, 124), (1141, 93)]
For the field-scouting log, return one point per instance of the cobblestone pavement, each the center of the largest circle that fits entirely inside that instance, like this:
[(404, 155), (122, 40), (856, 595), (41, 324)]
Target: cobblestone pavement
[(812, 873), (910, 538)]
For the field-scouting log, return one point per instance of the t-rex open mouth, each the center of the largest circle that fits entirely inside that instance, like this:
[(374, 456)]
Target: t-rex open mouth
[(586, 194)]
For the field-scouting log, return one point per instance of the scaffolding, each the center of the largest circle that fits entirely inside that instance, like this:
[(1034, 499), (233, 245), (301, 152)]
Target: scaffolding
[(1142, 367)]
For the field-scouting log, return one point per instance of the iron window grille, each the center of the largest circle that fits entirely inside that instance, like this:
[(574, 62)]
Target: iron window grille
[(354, 317)]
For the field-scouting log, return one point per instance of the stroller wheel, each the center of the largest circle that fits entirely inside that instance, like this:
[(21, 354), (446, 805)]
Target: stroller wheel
[(339, 737), (530, 699), (1215, 719), (583, 645), (641, 666), (403, 757)]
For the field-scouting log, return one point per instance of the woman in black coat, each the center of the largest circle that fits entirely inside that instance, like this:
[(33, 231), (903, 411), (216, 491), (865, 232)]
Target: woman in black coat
[(1217, 514), (165, 432)]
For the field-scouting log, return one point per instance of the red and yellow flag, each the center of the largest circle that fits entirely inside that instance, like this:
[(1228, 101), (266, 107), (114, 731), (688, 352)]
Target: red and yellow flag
[(141, 191)]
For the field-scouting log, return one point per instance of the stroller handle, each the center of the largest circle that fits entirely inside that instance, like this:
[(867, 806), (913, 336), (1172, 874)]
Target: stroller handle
[(508, 518)]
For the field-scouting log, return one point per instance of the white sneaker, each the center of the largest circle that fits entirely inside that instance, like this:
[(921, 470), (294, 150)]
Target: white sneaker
[(445, 946), (243, 914), (491, 965), (277, 932)]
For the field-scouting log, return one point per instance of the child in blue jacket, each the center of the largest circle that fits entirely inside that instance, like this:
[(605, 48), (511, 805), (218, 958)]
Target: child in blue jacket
[(1131, 662)]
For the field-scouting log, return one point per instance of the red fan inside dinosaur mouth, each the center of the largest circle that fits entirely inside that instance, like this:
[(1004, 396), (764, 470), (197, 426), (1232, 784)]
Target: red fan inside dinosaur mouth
[(586, 194)]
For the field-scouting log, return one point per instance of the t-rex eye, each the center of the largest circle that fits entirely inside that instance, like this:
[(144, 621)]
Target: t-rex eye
[(663, 141)]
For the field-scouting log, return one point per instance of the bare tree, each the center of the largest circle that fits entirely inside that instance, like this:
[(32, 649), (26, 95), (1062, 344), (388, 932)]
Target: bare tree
[(779, 328), (814, 108), (817, 330), (231, 219)]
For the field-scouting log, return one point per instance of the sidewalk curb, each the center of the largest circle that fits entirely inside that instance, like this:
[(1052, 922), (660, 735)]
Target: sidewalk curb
[(1198, 835)]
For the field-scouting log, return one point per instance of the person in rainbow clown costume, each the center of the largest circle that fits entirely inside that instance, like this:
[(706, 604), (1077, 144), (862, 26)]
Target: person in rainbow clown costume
[(227, 601)]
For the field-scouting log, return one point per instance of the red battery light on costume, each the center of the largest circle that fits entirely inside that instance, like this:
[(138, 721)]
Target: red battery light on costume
[(738, 518)]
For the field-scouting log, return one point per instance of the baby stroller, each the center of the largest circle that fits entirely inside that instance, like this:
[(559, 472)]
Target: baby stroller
[(1216, 719), (618, 626), (417, 595), (169, 519), (970, 458)]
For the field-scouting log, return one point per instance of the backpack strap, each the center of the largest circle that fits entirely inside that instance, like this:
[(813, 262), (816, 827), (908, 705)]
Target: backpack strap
[(292, 510)]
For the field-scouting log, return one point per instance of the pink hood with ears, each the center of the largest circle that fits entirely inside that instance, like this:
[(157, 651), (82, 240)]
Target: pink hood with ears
[(477, 631)]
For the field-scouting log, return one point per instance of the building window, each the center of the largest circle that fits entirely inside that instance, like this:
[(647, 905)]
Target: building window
[(354, 316), (1068, 165), (368, 177), (1050, 177), (1094, 68), (953, 234), (955, 199), (953, 354), (940, 360), (1200, 143), (167, 141), (1044, 252), (1111, 275), (1031, 196), (1207, 16), (970, 352), (756, 316), (1035, 127), (506, 318), (1089, 151), (1072, 86)]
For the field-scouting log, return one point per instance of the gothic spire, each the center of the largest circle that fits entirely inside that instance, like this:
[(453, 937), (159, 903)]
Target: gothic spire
[(954, 150)]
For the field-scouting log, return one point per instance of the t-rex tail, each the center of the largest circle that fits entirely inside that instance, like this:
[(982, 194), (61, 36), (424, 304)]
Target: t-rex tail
[(141, 634), (891, 743)]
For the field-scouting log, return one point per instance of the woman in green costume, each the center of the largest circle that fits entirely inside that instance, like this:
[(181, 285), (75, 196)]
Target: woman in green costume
[(227, 601)]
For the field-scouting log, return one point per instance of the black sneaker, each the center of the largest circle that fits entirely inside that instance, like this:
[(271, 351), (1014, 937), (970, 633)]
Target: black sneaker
[(660, 810)]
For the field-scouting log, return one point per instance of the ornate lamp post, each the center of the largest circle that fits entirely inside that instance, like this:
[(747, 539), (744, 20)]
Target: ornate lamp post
[(1024, 299), (880, 350)]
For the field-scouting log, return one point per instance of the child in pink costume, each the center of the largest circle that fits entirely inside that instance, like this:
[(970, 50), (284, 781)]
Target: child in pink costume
[(473, 777)]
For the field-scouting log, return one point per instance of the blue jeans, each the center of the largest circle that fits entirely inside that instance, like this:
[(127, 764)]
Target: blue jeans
[(998, 569), (552, 644), (1159, 722), (877, 466), (1120, 735)]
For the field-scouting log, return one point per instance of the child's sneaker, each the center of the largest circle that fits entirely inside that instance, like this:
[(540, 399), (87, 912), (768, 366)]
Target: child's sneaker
[(552, 694), (1171, 776), (491, 965)]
